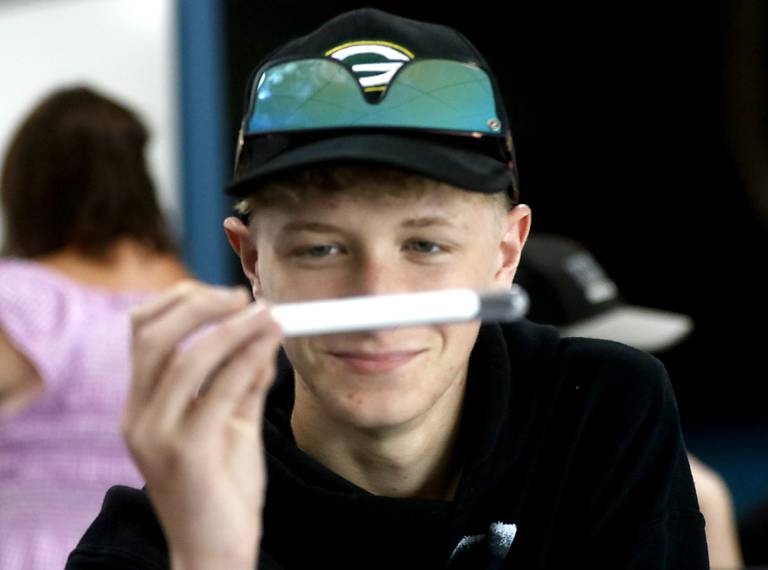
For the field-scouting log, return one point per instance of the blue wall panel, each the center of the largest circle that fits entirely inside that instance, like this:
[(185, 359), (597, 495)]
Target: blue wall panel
[(205, 169)]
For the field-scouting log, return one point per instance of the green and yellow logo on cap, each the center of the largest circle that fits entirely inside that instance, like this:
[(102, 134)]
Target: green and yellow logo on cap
[(373, 62)]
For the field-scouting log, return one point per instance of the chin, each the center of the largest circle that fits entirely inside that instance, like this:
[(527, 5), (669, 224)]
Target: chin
[(386, 401), (378, 395), (379, 413)]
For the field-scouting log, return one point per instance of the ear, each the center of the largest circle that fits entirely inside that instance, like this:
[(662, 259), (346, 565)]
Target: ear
[(240, 239), (516, 229)]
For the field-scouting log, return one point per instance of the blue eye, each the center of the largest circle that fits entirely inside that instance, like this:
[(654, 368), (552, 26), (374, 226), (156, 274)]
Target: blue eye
[(317, 250), (424, 246)]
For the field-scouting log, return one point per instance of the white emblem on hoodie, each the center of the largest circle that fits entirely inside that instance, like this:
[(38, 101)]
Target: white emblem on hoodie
[(499, 540)]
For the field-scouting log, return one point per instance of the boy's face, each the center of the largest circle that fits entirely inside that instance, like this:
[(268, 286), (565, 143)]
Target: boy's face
[(352, 244)]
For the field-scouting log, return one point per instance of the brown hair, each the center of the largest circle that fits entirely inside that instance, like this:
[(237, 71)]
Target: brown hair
[(326, 179), (75, 175)]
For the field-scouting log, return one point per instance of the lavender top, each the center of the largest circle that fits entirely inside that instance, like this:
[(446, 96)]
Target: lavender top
[(60, 455)]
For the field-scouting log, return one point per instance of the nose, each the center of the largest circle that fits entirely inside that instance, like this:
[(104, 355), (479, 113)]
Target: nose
[(376, 274)]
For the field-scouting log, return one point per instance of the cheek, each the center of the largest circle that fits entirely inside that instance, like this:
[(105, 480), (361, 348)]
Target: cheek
[(480, 268), (493, 261), (457, 341), (300, 352), (283, 283), (460, 336)]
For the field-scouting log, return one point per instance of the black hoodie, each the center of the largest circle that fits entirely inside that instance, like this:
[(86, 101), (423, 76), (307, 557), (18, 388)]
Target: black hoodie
[(572, 457)]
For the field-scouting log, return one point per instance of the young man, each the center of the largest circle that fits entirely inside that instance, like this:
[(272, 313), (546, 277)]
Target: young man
[(376, 158)]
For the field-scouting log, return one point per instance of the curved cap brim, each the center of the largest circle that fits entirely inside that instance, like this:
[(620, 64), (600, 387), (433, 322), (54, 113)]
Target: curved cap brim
[(650, 330), (442, 162)]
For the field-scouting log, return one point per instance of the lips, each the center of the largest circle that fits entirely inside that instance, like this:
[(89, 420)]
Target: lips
[(373, 362)]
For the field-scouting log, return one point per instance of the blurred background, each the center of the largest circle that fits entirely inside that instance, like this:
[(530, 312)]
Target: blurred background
[(641, 130)]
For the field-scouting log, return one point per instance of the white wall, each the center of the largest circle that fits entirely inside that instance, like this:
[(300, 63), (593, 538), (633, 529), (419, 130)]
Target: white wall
[(125, 48)]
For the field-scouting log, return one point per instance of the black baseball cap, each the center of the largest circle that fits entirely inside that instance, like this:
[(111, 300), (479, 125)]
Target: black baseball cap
[(568, 288), (370, 86)]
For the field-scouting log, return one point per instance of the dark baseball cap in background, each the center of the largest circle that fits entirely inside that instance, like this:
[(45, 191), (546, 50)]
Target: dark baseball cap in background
[(569, 289)]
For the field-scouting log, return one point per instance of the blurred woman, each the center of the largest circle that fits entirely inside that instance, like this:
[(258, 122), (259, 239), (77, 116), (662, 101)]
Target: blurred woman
[(84, 240)]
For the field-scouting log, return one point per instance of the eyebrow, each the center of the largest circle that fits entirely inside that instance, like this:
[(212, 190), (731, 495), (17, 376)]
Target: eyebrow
[(318, 227), (429, 221), (304, 226)]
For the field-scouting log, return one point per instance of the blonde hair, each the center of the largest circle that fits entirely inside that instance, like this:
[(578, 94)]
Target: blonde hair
[(363, 179)]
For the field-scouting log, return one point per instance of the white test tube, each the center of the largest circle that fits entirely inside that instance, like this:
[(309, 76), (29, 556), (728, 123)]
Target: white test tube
[(374, 312)]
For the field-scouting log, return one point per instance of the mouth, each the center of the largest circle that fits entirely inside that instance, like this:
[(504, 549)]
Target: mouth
[(376, 362)]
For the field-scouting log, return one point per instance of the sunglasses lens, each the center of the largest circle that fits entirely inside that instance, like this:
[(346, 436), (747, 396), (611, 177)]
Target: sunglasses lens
[(305, 94), (443, 95), (323, 93)]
